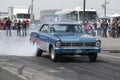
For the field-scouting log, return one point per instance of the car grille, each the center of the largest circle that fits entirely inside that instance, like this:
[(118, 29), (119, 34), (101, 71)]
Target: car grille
[(78, 44)]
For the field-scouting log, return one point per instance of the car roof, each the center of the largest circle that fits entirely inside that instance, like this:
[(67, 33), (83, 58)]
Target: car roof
[(61, 23)]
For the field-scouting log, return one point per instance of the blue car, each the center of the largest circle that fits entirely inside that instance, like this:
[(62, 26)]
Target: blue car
[(65, 38)]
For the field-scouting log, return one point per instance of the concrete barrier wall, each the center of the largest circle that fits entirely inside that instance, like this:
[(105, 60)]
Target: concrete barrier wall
[(6, 75)]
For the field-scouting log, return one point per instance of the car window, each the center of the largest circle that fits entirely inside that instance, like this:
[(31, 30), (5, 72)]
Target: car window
[(79, 29), (44, 28), (66, 28), (58, 28)]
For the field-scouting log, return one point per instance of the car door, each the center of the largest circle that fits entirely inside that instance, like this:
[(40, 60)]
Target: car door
[(43, 43)]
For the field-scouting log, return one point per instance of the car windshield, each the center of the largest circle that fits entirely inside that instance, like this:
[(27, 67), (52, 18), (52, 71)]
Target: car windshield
[(66, 28)]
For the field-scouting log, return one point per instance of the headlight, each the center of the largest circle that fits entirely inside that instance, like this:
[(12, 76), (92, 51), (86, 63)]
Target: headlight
[(58, 43), (98, 43)]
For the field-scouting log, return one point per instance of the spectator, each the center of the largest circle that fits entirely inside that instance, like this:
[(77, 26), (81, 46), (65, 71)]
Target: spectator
[(24, 28), (3, 24), (98, 28), (27, 22), (15, 24), (19, 25), (88, 28), (8, 27), (0, 24), (105, 26), (118, 30)]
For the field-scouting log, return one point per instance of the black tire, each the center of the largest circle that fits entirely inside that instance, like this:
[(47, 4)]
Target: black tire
[(53, 55), (92, 57), (39, 52)]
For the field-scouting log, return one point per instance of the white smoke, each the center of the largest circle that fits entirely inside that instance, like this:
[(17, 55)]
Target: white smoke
[(16, 45)]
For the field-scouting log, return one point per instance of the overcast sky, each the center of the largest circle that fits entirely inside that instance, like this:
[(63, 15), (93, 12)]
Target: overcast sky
[(112, 7)]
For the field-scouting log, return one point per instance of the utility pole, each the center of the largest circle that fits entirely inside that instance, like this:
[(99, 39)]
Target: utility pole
[(105, 9), (104, 6), (84, 4), (31, 15)]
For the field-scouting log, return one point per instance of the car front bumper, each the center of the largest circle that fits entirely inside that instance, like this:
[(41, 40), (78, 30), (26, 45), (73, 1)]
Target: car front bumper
[(77, 50)]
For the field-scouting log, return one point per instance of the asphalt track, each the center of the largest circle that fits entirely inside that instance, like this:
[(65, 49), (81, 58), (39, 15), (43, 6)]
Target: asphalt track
[(17, 52)]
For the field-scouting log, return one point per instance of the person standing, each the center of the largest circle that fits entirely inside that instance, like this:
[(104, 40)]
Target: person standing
[(88, 28), (102, 28), (3, 24), (19, 25), (27, 22), (105, 27), (8, 27), (0, 24), (24, 28), (15, 25), (98, 28), (118, 30)]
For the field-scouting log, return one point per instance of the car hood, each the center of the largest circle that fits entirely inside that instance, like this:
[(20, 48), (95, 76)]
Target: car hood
[(76, 37)]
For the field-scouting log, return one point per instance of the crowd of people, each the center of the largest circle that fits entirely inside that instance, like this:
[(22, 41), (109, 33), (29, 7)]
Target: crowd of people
[(104, 28), (20, 26)]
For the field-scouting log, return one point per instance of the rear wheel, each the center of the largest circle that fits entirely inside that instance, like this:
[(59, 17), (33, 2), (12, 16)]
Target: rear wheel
[(92, 57), (39, 52), (53, 55)]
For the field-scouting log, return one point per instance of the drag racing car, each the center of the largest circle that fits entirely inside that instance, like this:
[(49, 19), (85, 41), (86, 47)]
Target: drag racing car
[(65, 38)]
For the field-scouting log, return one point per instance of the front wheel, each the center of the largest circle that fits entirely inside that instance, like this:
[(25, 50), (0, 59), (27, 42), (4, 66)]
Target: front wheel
[(92, 57), (53, 55), (39, 52)]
